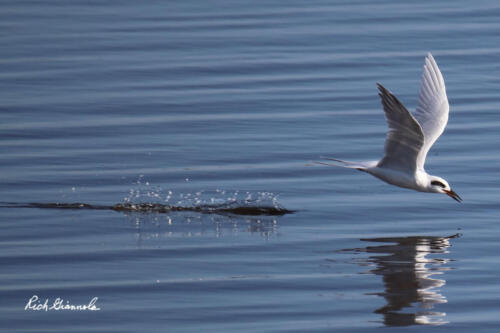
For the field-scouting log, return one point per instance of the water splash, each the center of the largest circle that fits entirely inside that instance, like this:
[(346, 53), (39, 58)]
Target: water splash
[(148, 198), (145, 197)]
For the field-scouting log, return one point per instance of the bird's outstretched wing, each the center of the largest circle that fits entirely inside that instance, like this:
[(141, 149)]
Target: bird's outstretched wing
[(405, 138), (433, 108)]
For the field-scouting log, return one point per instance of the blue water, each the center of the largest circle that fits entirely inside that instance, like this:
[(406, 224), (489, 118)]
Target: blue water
[(189, 103)]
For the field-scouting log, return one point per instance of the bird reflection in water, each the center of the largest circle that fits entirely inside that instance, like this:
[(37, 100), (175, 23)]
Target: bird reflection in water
[(411, 286)]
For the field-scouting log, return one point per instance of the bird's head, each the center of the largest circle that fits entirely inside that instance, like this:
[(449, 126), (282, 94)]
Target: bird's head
[(439, 185)]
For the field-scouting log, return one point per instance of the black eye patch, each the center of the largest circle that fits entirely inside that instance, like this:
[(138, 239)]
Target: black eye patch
[(438, 183)]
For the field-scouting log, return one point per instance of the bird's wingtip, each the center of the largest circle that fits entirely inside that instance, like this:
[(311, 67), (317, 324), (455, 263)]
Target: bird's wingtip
[(430, 57), (382, 89)]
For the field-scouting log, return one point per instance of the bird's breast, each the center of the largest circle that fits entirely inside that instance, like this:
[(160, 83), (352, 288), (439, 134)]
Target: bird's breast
[(396, 177)]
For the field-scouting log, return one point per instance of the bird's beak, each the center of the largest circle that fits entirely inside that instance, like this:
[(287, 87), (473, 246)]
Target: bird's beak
[(453, 195)]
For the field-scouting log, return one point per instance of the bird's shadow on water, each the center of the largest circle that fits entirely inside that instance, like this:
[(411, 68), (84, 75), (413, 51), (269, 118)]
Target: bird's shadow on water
[(411, 288)]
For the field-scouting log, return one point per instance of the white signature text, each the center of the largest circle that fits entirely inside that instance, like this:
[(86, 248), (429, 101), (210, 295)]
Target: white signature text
[(59, 304)]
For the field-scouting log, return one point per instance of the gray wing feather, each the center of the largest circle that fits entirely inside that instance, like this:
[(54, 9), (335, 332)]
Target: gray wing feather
[(433, 108), (405, 137)]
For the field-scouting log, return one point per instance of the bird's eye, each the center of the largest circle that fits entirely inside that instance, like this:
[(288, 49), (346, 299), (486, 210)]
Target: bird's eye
[(437, 183)]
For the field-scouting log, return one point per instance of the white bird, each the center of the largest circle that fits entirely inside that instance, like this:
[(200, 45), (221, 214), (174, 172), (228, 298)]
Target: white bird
[(411, 136)]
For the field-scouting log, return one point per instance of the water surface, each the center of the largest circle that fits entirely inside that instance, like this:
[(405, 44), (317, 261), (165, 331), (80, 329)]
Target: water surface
[(195, 103)]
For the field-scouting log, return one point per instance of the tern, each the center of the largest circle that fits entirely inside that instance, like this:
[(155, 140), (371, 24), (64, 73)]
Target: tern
[(411, 136)]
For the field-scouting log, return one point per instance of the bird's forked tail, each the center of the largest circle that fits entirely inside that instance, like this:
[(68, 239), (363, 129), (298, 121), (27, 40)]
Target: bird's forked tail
[(361, 166)]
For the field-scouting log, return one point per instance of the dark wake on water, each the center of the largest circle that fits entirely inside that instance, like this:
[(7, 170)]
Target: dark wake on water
[(146, 198), (158, 208)]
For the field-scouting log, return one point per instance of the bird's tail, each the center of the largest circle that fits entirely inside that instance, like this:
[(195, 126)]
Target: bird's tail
[(361, 166)]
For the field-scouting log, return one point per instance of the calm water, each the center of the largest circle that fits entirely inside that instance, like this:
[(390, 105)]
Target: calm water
[(227, 103)]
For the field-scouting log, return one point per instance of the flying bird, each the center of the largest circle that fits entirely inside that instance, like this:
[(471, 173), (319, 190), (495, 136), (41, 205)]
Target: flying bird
[(410, 136)]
